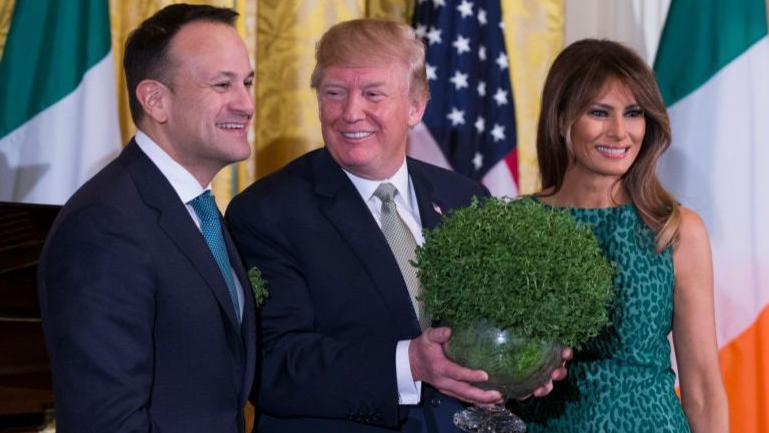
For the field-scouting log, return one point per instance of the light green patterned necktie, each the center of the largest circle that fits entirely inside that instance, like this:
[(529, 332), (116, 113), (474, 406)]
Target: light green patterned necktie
[(401, 242)]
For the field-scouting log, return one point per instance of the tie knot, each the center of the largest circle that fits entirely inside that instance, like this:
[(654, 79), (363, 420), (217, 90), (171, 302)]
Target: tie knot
[(385, 192), (205, 206)]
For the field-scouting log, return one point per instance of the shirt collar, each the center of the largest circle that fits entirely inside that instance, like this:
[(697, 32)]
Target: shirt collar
[(182, 181), (400, 180)]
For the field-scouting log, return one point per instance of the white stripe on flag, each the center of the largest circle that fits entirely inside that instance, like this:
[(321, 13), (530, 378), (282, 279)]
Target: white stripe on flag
[(422, 146), (47, 158), (499, 180), (718, 164)]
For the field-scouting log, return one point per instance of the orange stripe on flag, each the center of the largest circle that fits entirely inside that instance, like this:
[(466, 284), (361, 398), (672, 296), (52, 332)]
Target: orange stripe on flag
[(745, 370)]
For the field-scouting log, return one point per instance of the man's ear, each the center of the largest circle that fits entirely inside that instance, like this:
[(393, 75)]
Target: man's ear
[(153, 97), (417, 106)]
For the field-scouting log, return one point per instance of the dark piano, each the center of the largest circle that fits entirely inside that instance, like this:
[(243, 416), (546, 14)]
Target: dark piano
[(26, 394)]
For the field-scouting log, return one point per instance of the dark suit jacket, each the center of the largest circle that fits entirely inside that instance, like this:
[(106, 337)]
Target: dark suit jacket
[(338, 304), (139, 325)]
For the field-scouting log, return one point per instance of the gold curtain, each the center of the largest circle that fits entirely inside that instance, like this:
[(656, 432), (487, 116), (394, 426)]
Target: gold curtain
[(533, 36), (6, 10)]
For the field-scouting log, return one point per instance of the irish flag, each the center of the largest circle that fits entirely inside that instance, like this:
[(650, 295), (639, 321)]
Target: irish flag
[(713, 70), (58, 115)]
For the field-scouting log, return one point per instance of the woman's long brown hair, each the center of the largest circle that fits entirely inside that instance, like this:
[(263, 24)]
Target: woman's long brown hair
[(574, 81)]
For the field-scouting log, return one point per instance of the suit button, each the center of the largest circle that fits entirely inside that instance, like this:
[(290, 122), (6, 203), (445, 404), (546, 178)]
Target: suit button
[(435, 401)]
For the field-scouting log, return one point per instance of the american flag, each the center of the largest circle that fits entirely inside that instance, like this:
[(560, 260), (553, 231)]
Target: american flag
[(469, 125)]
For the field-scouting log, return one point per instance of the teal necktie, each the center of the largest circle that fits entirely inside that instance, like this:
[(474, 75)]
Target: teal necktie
[(211, 227)]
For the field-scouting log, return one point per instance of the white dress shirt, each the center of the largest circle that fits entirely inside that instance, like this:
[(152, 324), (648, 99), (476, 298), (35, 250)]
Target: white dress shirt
[(185, 185), (406, 203)]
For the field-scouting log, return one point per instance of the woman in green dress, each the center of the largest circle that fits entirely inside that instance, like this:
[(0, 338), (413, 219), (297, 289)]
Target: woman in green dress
[(602, 130)]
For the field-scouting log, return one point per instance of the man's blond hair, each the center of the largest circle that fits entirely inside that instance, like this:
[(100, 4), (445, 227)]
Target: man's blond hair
[(361, 41)]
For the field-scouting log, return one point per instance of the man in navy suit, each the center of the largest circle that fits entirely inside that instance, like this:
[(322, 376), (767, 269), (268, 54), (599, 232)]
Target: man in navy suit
[(343, 346), (148, 314)]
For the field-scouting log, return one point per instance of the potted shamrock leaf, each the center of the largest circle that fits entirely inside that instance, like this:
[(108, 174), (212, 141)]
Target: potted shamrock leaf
[(517, 281)]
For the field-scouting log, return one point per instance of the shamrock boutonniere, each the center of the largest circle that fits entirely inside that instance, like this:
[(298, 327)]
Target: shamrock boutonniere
[(258, 285)]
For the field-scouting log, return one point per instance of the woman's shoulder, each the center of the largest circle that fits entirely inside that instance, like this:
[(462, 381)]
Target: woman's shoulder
[(692, 224), (692, 233)]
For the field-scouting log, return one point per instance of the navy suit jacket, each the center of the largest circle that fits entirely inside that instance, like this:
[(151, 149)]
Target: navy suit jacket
[(140, 328), (338, 304)]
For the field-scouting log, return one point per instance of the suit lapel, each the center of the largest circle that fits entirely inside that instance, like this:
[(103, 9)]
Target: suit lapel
[(342, 205), (175, 220), (248, 327), (240, 272)]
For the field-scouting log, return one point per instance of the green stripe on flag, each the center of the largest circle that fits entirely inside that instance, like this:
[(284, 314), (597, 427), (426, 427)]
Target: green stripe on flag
[(50, 46), (727, 28)]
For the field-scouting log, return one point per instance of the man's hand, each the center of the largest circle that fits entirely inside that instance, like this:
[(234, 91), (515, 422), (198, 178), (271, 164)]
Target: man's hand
[(557, 374), (429, 364)]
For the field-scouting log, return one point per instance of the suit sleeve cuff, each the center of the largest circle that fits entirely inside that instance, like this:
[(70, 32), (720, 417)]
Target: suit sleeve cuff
[(409, 391)]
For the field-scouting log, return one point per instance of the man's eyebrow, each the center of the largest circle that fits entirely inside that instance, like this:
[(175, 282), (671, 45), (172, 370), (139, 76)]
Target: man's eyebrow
[(232, 75), (364, 85)]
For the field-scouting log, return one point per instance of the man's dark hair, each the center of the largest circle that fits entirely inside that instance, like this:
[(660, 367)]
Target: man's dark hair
[(146, 49)]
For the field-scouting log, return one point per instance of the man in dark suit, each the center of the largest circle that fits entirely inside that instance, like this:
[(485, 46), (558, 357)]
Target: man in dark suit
[(333, 233), (147, 311)]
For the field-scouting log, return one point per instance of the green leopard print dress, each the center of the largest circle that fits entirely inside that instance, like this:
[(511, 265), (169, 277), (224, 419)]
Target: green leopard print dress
[(620, 381)]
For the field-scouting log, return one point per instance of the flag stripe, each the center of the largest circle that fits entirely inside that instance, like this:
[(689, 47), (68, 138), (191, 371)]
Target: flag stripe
[(499, 180), (726, 28), (715, 77), (48, 157), (717, 166), (512, 164), (49, 39), (743, 363)]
